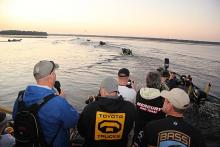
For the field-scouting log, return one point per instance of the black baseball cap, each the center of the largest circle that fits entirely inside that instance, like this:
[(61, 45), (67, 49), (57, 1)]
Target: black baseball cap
[(124, 72)]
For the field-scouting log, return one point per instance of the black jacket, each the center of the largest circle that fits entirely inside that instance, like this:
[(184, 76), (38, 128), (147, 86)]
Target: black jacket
[(149, 105), (107, 122)]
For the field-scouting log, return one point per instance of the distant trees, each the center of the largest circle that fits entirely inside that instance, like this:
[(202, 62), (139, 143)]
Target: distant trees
[(17, 32)]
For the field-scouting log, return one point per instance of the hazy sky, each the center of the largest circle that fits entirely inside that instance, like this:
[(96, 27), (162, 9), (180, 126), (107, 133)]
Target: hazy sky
[(181, 19)]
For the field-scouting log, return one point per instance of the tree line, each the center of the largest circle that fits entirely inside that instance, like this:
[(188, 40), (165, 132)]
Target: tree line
[(17, 32)]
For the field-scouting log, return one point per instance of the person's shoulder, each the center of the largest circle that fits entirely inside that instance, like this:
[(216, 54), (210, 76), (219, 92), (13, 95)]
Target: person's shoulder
[(8, 139), (59, 98), (129, 105), (193, 129), (125, 88), (59, 101), (91, 107), (157, 122)]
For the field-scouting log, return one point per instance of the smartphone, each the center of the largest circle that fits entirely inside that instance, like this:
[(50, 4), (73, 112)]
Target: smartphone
[(166, 63)]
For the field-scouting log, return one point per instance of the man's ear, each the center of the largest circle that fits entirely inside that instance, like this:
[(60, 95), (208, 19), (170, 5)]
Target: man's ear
[(102, 91)]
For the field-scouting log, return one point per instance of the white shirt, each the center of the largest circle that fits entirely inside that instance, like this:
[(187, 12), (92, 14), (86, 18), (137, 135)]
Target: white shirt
[(129, 94)]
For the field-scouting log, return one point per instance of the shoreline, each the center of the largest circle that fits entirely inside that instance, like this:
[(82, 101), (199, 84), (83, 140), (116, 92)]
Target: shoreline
[(22, 36)]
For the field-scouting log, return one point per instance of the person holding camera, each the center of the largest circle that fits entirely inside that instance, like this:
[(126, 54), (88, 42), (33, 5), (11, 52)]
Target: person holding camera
[(126, 86), (149, 105), (56, 116), (107, 121)]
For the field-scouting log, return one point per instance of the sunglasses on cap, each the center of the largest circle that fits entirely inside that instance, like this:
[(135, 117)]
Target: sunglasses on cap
[(52, 67)]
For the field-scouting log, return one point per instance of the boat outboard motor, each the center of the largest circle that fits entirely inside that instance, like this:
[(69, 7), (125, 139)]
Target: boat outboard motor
[(199, 96)]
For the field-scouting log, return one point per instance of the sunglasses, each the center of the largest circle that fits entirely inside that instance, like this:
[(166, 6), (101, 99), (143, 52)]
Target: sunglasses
[(53, 66)]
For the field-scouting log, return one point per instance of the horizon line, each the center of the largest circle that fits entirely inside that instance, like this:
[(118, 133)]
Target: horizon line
[(140, 38)]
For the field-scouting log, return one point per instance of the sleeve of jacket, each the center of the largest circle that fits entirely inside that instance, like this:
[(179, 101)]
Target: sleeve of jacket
[(15, 109), (83, 123), (69, 115)]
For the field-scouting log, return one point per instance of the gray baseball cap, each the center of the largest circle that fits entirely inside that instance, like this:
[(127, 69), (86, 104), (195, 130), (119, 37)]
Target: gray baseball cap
[(109, 84), (44, 68)]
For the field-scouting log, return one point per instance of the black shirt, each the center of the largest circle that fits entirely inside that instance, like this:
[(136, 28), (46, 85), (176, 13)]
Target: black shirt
[(170, 132)]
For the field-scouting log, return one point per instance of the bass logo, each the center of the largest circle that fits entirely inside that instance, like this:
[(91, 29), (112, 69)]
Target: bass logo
[(173, 138), (109, 126)]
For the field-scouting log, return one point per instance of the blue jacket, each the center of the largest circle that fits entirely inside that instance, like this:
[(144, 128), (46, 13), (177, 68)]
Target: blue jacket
[(56, 113)]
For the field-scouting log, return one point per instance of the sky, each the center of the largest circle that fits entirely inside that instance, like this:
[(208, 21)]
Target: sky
[(173, 19)]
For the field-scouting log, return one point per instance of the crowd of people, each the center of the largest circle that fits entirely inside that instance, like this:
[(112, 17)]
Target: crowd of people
[(121, 116)]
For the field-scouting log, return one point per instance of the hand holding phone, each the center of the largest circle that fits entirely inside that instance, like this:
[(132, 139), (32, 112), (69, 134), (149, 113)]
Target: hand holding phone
[(166, 63), (57, 85)]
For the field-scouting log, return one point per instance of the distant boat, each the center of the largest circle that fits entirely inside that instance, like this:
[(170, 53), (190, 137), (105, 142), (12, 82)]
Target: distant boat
[(102, 43), (14, 40), (126, 51)]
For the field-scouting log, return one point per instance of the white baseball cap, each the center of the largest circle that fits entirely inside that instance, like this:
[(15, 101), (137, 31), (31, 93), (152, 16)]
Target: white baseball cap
[(177, 97)]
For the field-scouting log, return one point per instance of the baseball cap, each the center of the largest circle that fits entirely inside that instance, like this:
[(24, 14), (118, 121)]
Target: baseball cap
[(44, 68), (177, 97), (109, 84), (124, 72)]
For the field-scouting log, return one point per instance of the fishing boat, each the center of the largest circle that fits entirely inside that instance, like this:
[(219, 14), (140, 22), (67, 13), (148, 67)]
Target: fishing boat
[(126, 51), (176, 80), (14, 40), (196, 94), (102, 43)]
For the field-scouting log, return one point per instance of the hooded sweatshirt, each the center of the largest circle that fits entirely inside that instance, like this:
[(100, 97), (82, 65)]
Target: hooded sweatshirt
[(57, 115), (107, 122), (149, 105)]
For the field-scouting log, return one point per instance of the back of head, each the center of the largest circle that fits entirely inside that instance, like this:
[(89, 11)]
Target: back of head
[(177, 97), (153, 80), (109, 84), (44, 68), (124, 72)]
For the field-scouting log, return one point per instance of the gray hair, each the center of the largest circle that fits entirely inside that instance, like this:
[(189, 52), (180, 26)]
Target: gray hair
[(153, 80)]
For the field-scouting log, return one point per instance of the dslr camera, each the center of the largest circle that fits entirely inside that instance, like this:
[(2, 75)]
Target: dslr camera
[(92, 99), (129, 84), (166, 63)]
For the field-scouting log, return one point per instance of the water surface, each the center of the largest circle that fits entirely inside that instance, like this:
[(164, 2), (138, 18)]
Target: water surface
[(83, 64)]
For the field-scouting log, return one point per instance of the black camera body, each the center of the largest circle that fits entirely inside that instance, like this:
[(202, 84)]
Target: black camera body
[(164, 71), (166, 63), (129, 84), (92, 99), (57, 85)]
